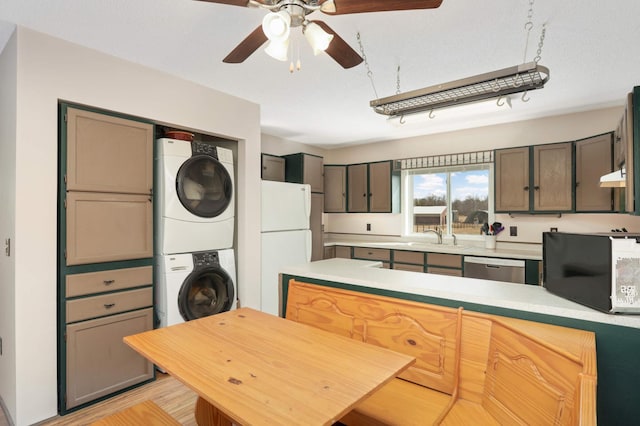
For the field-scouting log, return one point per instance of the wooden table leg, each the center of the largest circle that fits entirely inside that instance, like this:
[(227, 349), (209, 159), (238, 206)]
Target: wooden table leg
[(208, 415)]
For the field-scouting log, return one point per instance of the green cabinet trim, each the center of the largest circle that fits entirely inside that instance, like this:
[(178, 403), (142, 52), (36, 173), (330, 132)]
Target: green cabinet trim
[(531, 170)]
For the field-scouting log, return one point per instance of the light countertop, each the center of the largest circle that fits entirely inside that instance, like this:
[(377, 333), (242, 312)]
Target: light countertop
[(528, 298), (503, 250)]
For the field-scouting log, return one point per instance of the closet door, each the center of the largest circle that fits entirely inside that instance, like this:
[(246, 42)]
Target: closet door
[(108, 227), (108, 154)]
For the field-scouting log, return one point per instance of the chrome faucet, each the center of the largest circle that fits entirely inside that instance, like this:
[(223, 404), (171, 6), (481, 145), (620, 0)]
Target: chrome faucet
[(436, 231), (455, 239)]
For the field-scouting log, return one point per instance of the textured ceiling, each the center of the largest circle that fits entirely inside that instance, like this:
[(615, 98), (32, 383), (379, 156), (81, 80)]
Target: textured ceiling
[(592, 49)]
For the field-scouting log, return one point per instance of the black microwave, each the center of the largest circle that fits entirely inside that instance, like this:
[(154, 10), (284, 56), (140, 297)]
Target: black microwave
[(601, 271)]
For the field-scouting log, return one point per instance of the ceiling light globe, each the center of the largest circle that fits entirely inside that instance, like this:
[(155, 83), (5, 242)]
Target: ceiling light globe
[(278, 49), (277, 25), (318, 38)]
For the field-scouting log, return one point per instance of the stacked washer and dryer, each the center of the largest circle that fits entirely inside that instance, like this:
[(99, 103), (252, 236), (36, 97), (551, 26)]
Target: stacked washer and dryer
[(195, 220)]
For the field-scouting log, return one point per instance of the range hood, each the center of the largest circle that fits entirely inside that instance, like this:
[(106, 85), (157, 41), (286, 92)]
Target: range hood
[(617, 179)]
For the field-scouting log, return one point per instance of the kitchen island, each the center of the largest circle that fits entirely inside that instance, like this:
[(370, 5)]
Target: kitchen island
[(617, 336)]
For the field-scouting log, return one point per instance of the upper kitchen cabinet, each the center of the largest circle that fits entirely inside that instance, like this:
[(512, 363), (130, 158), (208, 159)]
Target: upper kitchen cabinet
[(512, 180), (357, 183), (273, 167), (632, 142), (305, 168), (108, 154), (380, 187), (369, 187), (534, 179), (335, 189), (593, 159), (552, 177)]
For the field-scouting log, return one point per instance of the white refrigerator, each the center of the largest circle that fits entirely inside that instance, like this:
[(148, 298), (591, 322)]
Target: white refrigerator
[(286, 236)]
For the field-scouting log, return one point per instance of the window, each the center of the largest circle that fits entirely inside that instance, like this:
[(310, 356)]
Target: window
[(457, 199)]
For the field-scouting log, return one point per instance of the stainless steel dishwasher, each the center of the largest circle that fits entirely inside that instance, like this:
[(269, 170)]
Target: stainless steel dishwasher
[(488, 268)]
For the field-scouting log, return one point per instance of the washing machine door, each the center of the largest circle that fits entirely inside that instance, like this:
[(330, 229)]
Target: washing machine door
[(204, 186), (205, 292)]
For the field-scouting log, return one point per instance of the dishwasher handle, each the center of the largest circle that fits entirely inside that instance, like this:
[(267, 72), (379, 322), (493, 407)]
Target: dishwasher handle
[(494, 261)]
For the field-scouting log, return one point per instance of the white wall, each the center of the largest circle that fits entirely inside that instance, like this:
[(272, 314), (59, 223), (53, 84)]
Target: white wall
[(8, 76), (50, 70), (532, 132), (277, 146)]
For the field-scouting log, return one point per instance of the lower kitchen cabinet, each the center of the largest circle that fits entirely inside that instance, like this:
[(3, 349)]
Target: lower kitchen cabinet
[(100, 308), (444, 264), (366, 253), (99, 362), (343, 252), (408, 260)]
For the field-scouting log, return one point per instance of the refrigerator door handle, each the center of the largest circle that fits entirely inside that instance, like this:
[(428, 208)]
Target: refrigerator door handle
[(309, 245), (307, 200)]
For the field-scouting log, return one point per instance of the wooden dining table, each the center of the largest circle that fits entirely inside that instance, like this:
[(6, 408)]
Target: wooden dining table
[(253, 368)]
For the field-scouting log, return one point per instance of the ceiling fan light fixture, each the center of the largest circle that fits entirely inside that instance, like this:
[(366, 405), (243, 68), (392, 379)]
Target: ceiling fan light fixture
[(277, 25), (278, 49), (318, 38)]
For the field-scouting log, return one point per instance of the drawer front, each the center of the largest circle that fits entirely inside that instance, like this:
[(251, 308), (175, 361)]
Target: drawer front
[(403, 256), (372, 253), (444, 271), (343, 252), (408, 267), (108, 304), (101, 281), (440, 259)]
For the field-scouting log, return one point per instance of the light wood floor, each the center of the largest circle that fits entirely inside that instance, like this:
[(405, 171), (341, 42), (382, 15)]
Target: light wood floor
[(175, 398)]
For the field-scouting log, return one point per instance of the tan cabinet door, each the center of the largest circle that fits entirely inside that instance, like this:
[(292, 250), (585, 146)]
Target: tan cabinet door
[(108, 154), (335, 189), (99, 362), (272, 168), (552, 177), (358, 190), (380, 187), (108, 227), (314, 172), (593, 159), (512, 180)]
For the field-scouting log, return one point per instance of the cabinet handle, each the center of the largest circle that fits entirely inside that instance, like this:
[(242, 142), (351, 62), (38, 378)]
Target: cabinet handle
[(109, 305), (364, 195), (370, 194), (526, 188), (108, 282), (577, 184), (536, 187)]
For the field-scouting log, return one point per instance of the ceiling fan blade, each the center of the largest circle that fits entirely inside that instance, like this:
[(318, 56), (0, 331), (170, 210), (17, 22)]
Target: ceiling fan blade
[(343, 7), (243, 3), (339, 50), (246, 47)]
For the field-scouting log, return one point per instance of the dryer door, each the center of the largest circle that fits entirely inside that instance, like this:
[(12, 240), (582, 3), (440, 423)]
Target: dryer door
[(205, 292), (204, 186)]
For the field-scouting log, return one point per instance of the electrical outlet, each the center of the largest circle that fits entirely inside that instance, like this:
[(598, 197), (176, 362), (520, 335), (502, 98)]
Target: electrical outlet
[(513, 231), (368, 227)]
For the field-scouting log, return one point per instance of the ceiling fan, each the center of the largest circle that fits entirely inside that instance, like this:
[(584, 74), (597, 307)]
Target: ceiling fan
[(285, 14)]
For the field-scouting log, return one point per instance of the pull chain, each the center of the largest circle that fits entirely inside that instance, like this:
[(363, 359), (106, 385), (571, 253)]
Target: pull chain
[(398, 80), (366, 63)]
